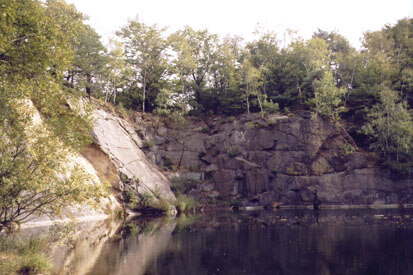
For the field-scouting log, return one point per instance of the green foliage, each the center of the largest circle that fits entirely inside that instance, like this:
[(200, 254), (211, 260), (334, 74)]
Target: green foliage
[(252, 125), (234, 152), (148, 144), (33, 160), (205, 130), (121, 111), (195, 53), (349, 149), (182, 185), (137, 201), (185, 203), (90, 61), (270, 106), (146, 200), (145, 54), (24, 256), (390, 128), (327, 97), (167, 163), (130, 198)]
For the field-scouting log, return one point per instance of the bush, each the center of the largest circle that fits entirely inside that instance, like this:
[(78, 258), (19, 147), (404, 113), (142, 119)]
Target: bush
[(33, 263), (167, 163), (182, 186), (185, 203), (270, 106), (233, 153), (147, 144), (146, 200), (121, 111)]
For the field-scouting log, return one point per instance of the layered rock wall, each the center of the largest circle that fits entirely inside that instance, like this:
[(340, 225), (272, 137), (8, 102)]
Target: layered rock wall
[(278, 159)]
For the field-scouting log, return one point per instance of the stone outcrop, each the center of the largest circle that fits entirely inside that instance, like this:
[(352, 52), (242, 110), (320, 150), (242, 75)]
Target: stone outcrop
[(117, 158), (279, 159)]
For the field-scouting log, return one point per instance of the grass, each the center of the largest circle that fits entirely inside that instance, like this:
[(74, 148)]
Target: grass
[(185, 203), (24, 256)]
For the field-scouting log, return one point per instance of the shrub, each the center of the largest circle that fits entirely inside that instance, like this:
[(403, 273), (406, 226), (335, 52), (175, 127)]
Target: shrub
[(348, 149), (233, 153), (167, 163), (147, 144), (146, 200), (185, 203), (182, 186)]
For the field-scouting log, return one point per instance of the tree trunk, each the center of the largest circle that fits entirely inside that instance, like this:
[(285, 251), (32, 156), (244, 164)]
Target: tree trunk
[(88, 84), (144, 92), (248, 102), (259, 102), (299, 90)]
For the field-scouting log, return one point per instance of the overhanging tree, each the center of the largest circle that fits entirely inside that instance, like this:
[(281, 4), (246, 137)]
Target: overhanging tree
[(34, 177)]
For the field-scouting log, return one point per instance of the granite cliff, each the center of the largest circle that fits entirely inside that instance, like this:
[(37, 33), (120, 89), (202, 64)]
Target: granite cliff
[(289, 160)]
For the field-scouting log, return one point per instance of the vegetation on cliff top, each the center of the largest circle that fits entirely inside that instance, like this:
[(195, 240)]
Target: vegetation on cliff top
[(199, 73)]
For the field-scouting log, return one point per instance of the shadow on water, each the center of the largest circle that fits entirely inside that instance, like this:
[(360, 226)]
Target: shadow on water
[(255, 242)]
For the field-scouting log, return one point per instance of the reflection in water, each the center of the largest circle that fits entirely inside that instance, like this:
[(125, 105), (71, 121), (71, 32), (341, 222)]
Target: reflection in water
[(138, 246), (81, 257), (265, 242)]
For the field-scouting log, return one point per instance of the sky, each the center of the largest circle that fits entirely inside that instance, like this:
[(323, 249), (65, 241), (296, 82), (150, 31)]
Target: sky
[(350, 18)]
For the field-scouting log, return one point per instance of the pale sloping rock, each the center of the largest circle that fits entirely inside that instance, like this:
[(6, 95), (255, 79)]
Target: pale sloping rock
[(117, 139), (82, 213)]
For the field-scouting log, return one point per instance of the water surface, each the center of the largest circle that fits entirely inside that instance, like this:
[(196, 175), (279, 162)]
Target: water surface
[(264, 242)]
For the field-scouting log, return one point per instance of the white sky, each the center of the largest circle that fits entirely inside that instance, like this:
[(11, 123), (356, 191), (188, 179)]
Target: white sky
[(240, 17)]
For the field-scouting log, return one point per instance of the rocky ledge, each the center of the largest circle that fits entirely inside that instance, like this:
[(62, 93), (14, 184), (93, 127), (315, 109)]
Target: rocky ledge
[(290, 160)]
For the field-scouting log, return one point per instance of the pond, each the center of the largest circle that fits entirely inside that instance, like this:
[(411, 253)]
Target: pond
[(260, 242)]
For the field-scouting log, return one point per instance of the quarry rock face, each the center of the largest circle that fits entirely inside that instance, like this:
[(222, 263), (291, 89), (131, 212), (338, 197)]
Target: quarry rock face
[(119, 159), (276, 159)]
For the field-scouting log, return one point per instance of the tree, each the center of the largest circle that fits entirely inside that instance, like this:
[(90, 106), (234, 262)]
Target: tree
[(225, 78), (90, 61), (251, 80), (145, 52), (30, 42), (263, 54), (327, 97), (196, 52), (34, 55), (34, 176), (390, 128), (117, 72)]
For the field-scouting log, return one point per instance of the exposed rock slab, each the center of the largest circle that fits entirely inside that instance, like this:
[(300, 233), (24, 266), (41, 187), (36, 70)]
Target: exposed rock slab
[(118, 140)]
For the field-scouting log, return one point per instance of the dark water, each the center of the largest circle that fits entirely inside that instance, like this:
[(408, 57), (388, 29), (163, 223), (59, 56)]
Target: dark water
[(264, 242)]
